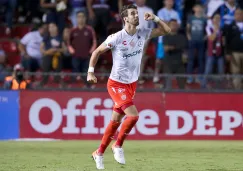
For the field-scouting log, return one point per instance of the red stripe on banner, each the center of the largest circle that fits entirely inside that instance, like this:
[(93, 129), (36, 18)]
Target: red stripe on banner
[(163, 116)]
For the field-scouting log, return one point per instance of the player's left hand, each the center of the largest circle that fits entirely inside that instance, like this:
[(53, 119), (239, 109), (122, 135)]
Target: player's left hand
[(149, 16)]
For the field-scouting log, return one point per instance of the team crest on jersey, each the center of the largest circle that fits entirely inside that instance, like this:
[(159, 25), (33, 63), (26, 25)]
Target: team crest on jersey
[(124, 43), (86, 33), (123, 97), (132, 44), (121, 90)]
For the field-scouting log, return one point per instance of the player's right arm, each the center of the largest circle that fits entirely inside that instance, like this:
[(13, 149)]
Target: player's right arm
[(93, 60), (109, 43)]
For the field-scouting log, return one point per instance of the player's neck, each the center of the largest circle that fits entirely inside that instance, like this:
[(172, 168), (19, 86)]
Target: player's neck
[(130, 29), (81, 26)]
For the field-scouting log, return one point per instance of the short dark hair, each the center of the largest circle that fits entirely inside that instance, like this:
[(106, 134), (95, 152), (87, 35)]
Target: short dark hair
[(124, 9), (173, 20), (81, 12)]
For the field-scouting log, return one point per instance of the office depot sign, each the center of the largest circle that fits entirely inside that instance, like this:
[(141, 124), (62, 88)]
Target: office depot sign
[(84, 115)]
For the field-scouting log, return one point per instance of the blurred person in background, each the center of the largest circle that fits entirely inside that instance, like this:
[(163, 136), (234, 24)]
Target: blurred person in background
[(76, 5), (52, 49), (82, 42), (29, 48), (66, 38), (166, 14), (10, 7), (99, 16), (196, 36), (17, 80), (54, 12), (174, 44), (67, 56), (3, 69), (142, 9), (234, 47), (215, 51), (226, 12), (212, 6)]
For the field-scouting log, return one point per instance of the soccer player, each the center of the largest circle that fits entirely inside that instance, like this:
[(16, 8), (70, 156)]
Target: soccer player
[(127, 50)]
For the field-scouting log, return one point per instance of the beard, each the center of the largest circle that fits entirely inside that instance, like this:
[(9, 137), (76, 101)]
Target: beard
[(133, 22), (137, 23)]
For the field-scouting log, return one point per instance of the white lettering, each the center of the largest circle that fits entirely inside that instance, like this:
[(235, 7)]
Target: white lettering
[(153, 120), (174, 116), (106, 113), (56, 116), (202, 122), (228, 124), (71, 112), (90, 113)]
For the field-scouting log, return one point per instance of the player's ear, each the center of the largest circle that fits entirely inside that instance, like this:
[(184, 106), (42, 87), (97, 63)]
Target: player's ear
[(125, 19)]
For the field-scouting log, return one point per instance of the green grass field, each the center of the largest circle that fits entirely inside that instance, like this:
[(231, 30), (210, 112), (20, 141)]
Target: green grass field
[(140, 156)]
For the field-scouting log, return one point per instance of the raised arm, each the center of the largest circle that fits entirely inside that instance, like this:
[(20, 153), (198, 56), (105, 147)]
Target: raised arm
[(93, 60), (162, 28)]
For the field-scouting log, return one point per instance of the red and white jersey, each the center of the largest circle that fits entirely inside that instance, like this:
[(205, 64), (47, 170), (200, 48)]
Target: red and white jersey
[(127, 52)]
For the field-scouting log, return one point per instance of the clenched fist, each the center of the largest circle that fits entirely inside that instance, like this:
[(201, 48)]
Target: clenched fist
[(91, 78), (149, 16)]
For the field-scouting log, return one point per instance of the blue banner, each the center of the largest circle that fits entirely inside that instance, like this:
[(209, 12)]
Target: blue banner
[(9, 115)]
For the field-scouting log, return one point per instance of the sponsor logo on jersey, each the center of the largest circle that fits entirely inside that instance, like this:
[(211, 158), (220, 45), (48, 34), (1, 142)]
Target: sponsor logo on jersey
[(124, 43), (132, 54), (124, 49)]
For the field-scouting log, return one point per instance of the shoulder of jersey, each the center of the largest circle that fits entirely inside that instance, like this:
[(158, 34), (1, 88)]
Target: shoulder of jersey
[(117, 35)]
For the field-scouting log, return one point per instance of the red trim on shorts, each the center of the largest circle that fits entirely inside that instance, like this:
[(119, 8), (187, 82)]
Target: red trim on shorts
[(123, 107), (119, 110)]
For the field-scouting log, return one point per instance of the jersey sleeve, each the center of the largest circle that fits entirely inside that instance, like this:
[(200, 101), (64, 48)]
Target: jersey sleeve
[(111, 41), (26, 39), (146, 32)]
